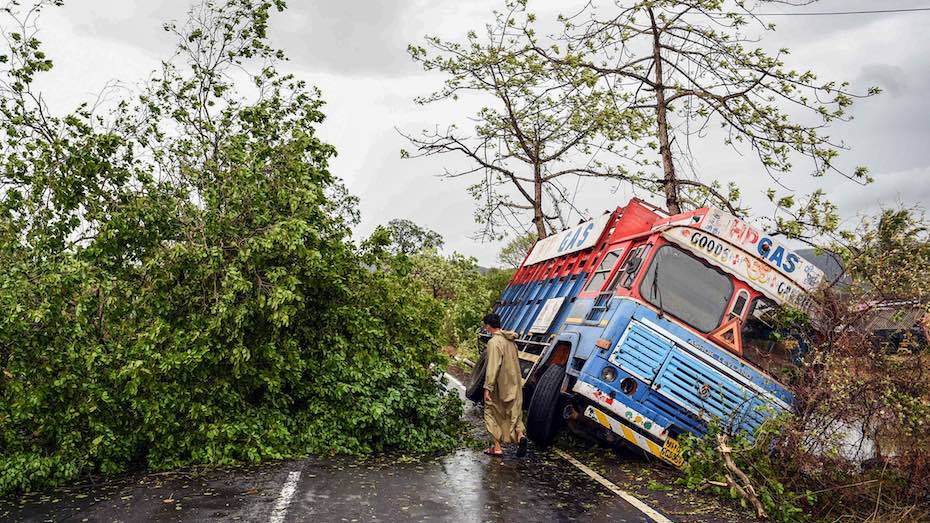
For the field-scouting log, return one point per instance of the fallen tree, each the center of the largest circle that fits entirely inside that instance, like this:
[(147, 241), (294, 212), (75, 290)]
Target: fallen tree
[(178, 283)]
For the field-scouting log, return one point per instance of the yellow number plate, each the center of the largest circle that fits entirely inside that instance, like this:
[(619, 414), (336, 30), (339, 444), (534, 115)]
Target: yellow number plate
[(671, 452)]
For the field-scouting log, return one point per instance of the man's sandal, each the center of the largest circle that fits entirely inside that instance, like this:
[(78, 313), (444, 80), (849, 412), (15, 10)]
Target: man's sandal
[(490, 452)]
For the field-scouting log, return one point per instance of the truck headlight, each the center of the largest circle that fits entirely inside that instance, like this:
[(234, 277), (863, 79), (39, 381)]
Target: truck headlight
[(609, 374)]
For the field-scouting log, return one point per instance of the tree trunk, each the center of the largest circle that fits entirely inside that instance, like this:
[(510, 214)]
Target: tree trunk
[(539, 218), (669, 185)]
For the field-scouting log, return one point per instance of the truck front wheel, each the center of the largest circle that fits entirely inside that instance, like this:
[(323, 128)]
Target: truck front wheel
[(544, 415)]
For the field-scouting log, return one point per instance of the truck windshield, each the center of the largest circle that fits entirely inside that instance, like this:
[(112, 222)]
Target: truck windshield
[(681, 285)]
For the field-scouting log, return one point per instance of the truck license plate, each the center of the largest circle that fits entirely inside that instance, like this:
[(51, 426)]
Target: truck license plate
[(671, 452)]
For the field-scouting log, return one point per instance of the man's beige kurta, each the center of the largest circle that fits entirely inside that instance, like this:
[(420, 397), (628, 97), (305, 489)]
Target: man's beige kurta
[(503, 415)]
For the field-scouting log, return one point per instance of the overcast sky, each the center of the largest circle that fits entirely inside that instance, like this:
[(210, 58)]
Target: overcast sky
[(355, 52)]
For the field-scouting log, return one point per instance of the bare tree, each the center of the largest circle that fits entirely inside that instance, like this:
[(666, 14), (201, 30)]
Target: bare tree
[(545, 124), (687, 64)]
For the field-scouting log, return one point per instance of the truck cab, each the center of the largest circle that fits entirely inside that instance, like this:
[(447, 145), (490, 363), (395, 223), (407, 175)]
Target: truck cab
[(632, 325)]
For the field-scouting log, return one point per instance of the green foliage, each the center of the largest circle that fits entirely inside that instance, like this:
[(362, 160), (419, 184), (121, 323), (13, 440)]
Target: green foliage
[(890, 254), (497, 281), (789, 323), (515, 251), (178, 288), (408, 237), (658, 486), (457, 284), (705, 464), (808, 218), (464, 294)]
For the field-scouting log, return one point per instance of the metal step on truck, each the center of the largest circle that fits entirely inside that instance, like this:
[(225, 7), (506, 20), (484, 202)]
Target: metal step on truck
[(638, 327)]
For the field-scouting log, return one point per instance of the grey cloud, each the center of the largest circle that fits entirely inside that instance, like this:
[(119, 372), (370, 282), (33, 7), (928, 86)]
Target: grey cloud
[(355, 37), (801, 28), (890, 190), (350, 36), (355, 51), (891, 78), (135, 22)]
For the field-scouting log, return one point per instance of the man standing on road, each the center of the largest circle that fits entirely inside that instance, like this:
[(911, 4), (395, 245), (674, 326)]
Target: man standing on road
[(503, 390)]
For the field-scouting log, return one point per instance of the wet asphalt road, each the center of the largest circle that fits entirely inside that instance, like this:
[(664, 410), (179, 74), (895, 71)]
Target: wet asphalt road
[(464, 486)]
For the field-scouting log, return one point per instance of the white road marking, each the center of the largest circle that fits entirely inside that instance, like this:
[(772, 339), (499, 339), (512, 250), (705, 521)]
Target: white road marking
[(457, 384), (454, 381), (650, 512), (629, 498), (284, 498)]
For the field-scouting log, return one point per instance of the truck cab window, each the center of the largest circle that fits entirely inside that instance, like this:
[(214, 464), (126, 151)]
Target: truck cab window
[(630, 268), (684, 286), (603, 270), (759, 346), (739, 304)]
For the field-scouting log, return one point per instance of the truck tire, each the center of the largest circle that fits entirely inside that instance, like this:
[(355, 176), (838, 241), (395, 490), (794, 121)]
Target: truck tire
[(475, 389), (544, 415)]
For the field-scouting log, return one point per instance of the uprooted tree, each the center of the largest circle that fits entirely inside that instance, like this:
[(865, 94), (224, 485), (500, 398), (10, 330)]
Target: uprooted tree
[(178, 288)]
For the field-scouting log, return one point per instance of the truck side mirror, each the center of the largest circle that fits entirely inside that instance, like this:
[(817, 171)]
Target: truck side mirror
[(629, 269), (632, 265)]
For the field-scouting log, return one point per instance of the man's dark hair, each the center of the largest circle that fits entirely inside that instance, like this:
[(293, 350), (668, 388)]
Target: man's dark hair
[(492, 320)]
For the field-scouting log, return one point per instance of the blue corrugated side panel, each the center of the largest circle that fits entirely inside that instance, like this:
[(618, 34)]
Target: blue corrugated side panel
[(505, 309), (528, 308), (529, 305), (515, 304), (519, 297), (522, 303), (572, 291)]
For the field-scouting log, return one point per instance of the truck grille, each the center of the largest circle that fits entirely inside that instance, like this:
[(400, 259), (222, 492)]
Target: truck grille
[(685, 386), (707, 393), (642, 352)]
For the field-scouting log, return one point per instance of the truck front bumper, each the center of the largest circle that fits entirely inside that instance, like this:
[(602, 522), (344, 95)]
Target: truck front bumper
[(626, 422)]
